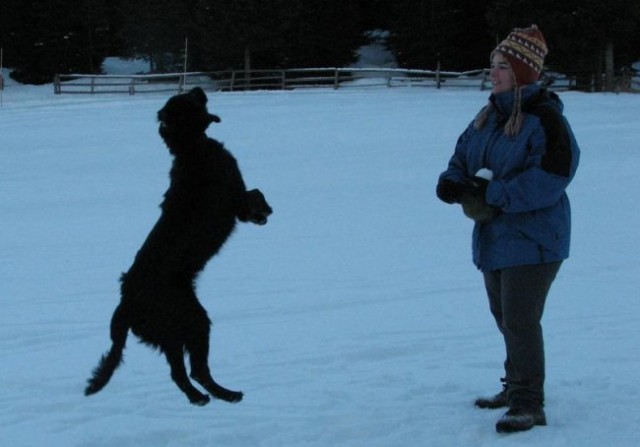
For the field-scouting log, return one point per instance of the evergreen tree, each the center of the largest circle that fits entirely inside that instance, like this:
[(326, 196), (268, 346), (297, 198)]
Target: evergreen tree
[(232, 34), (155, 30), (579, 33), (275, 33), (452, 32), (10, 13), (325, 34), (42, 38)]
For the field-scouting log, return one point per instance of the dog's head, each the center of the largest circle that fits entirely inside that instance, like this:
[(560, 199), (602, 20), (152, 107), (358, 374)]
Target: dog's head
[(185, 116)]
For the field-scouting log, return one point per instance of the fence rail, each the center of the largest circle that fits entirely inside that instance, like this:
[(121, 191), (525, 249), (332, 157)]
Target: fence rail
[(239, 80)]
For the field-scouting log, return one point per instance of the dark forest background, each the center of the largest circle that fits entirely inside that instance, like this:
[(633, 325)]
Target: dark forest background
[(44, 37)]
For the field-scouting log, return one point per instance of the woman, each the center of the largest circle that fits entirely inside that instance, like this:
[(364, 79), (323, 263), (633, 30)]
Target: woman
[(509, 171)]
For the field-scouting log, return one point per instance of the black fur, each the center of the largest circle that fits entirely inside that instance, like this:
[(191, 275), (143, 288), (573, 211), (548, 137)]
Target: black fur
[(159, 304)]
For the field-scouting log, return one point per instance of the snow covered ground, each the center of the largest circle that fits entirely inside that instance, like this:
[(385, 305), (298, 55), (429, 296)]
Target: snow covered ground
[(354, 318)]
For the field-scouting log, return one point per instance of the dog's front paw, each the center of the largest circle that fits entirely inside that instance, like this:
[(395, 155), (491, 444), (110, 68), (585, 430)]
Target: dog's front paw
[(258, 208), (258, 219)]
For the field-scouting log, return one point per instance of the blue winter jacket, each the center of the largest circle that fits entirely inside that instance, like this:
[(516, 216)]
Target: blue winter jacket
[(530, 174)]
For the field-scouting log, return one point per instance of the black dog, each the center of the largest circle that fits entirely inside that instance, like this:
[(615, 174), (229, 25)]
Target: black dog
[(159, 304)]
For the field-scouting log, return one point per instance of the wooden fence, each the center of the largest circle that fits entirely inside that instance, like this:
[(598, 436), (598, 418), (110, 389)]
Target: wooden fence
[(241, 80)]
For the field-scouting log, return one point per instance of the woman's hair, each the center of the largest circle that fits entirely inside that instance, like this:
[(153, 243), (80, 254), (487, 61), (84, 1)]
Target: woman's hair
[(514, 123)]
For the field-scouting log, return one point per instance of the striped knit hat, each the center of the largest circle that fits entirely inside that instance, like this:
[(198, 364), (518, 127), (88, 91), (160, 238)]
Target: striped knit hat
[(525, 49)]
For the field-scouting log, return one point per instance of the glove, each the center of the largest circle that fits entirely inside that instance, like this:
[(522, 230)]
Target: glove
[(476, 186), (449, 191), (473, 201)]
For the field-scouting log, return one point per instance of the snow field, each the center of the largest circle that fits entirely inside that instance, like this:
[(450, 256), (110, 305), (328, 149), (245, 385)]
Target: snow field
[(354, 318)]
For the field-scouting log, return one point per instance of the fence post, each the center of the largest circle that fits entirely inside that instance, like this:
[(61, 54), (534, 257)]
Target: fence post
[(132, 88), (57, 88), (336, 78), (483, 79), (284, 80)]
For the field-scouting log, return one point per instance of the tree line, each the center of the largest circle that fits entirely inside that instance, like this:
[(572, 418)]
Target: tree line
[(44, 37)]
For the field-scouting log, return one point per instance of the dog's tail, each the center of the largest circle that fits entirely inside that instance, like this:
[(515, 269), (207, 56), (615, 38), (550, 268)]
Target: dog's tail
[(112, 359)]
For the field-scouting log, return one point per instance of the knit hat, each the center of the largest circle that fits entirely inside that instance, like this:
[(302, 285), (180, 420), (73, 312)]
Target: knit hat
[(525, 50)]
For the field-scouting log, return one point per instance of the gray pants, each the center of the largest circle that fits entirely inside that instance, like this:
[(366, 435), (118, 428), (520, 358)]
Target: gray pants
[(516, 298)]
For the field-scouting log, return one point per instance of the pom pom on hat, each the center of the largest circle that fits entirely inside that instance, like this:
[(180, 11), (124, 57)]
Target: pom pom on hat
[(525, 49)]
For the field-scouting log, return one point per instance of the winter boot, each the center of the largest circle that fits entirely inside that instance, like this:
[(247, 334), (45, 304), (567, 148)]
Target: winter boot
[(497, 401), (521, 419)]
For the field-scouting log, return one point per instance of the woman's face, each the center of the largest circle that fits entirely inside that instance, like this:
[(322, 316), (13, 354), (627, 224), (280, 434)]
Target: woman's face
[(500, 74)]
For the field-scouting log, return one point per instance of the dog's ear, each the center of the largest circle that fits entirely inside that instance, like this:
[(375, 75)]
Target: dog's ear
[(198, 94)]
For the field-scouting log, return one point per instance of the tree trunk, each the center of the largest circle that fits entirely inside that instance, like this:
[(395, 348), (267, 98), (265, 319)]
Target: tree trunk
[(152, 66), (598, 68), (608, 67)]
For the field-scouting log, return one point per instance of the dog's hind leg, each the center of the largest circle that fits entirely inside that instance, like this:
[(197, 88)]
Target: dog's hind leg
[(175, 358), (198, 348)]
